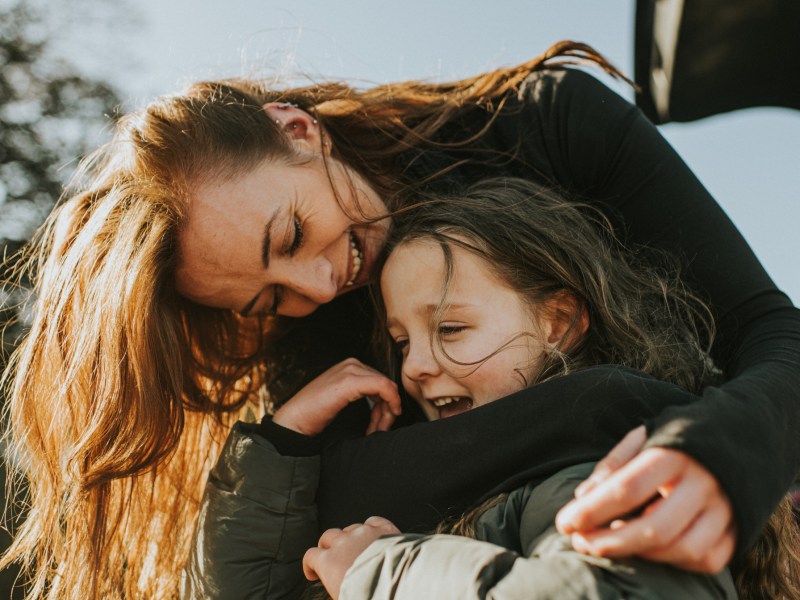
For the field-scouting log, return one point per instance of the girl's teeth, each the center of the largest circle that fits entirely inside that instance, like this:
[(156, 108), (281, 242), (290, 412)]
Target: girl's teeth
[(439, 402)]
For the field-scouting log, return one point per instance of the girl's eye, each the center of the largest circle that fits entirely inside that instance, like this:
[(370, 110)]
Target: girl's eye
[(447, 329), (401, 344), (298, 236)]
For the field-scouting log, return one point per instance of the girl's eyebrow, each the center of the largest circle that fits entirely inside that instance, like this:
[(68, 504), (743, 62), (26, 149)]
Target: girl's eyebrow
[(266, 244), (428, 309)]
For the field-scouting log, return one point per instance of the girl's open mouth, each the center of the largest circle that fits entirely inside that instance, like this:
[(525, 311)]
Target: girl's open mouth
[(449, 406)]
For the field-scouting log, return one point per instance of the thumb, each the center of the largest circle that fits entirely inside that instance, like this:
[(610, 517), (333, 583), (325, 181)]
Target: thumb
[(310, 559)]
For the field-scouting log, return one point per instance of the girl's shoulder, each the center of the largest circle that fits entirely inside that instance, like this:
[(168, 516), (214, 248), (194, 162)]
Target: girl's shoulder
[(529, 510)]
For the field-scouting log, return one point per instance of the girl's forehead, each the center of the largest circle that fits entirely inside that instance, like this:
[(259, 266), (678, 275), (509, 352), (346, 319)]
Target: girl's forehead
[(421, 263)]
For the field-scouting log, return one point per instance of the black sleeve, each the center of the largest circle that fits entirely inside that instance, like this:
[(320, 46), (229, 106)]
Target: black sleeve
[(592, 142), (417, 475), (577, 133)]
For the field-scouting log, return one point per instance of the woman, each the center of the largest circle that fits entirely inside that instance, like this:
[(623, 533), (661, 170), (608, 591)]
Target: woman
[(214, 212)]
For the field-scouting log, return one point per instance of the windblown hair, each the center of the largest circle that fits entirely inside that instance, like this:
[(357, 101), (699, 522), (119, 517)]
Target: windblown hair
[(121, 394), (544, 247), (771, 568), (541, 246)]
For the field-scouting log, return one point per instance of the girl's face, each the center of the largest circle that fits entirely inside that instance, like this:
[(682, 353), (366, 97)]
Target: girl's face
[(277, 240), (485, 323)]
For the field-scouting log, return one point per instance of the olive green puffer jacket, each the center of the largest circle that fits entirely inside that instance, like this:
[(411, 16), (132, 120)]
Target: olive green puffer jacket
[(257, 519), (518, 555)]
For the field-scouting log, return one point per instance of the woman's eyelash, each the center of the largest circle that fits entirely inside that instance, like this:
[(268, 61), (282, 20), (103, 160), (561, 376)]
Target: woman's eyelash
[(298, 236), (277, 296)]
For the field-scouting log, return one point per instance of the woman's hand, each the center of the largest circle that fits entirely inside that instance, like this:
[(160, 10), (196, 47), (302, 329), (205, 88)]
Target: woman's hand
[(318, 403), (338, 549), (686, 521)]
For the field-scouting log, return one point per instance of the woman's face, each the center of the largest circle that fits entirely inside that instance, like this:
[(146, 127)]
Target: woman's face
[(481, 325), (277, 240)]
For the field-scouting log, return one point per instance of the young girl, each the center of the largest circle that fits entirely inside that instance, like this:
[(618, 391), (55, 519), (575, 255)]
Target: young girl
[(506, 287)]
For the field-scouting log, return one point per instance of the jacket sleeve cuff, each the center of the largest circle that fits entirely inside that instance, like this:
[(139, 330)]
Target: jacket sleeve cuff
[(287, 441)]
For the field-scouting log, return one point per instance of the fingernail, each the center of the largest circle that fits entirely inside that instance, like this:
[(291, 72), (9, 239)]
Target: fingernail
[(564, 520), (584, 488), (581, 545)]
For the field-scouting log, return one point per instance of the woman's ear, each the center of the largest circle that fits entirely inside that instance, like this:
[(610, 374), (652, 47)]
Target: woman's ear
[(566, 320), (301, 127)]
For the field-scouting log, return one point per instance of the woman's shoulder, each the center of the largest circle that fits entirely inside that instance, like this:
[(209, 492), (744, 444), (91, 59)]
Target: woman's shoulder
[(557, 89)]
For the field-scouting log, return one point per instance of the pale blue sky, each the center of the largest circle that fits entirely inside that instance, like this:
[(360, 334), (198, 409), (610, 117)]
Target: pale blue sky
[(749, 160)]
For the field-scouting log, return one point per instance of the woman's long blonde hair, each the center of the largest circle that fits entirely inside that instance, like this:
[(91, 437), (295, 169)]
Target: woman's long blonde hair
[(122, 392)]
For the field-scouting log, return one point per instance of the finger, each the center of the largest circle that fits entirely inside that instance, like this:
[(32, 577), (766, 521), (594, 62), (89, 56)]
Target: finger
[(716, 559), (381, 389), (374, 417), (386, 417), (658, 526), (329, 537), (706, 546), (310, 561), (625, 490), (383, 524), (619, 455), (351, 528), (355, 383)]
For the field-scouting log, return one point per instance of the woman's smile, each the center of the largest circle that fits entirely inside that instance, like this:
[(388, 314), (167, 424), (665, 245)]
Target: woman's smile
[(281, 238)]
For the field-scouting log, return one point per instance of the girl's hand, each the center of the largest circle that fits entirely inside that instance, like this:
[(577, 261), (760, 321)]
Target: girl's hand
[(338, 549), (686, 521), (316, 405)]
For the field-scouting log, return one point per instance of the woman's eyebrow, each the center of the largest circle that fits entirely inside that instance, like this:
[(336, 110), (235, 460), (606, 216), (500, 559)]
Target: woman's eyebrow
[(266, 241), (266, 244)]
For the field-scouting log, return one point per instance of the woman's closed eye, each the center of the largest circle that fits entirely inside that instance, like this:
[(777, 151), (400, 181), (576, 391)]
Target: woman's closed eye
[(294, 246), (297, 241)]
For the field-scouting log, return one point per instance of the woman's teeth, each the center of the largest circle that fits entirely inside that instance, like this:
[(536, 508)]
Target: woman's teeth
[(358, 259)]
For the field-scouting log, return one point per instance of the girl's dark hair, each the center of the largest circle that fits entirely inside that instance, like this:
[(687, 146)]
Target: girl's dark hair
[(544, 246), (640, 316)]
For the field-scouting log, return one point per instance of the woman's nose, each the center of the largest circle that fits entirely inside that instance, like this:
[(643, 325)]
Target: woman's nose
[(309, 285), (420, 363), (317, 281)]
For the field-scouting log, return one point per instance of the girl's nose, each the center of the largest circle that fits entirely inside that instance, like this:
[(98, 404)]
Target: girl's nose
[(420, 363)]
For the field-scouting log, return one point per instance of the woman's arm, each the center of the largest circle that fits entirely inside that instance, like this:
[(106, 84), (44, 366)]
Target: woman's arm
[(419, 474), (584, 136)]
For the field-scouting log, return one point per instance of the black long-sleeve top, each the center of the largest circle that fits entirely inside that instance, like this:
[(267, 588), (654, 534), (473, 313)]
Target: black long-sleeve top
[(575, 133)]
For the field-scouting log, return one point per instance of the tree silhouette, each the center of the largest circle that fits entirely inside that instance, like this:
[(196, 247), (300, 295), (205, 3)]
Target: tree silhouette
[(50, 114)]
